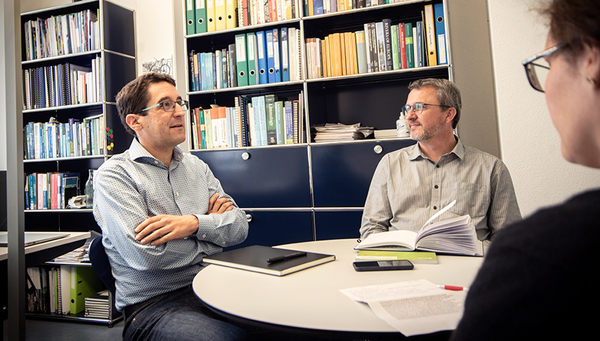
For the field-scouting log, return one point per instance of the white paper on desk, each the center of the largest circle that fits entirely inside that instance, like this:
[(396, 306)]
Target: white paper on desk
[(412, 307)]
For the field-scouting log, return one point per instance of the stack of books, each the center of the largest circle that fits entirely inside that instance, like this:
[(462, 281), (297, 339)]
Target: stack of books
[(97, 305), (335, 132)]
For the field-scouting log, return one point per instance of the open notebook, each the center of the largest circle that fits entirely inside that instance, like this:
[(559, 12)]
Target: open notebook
[(32, 238)]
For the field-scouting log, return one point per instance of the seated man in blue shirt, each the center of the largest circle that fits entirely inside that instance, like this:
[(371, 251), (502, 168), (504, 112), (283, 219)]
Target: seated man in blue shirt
[(161, 212), (412, 184)]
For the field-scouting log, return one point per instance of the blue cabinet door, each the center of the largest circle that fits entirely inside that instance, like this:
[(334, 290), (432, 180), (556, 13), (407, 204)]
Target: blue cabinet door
[(337, 224), (263, 177), (277, 227), (342, 173)]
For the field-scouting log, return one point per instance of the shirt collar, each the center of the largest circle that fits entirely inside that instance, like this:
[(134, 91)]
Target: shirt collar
[(415, 153), (138, 153)]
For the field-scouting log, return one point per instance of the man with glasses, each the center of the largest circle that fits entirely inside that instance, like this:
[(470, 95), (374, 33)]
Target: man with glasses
[(161, 211), (412, 184)]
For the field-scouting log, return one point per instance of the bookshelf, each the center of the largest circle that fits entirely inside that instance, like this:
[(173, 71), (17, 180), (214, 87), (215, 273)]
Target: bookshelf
[(316, 190), (75, 59)]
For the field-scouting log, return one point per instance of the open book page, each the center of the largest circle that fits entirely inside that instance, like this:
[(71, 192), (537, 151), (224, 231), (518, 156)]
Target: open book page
[(456, 236), (402, 240)]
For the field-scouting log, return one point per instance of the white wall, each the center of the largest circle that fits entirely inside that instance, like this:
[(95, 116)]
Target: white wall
[(530, 145)]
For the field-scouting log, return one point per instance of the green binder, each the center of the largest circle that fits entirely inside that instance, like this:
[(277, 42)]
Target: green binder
[(189, 17), (200, 16), (84, 283)]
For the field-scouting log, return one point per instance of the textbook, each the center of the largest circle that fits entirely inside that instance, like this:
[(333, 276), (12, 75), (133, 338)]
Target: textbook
[(421, 257), (454, 236), (254, 258)]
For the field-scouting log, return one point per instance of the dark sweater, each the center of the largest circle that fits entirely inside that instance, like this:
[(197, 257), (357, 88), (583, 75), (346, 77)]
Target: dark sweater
[(540, 278)]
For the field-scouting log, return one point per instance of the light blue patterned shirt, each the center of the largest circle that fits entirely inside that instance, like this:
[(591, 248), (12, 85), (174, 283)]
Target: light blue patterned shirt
[(134, 185), (408, 188)]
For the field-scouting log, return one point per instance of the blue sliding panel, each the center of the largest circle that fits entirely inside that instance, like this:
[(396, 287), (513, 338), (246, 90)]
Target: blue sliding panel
[(342, 173), (278, 227), (337, 224), (272, 177)]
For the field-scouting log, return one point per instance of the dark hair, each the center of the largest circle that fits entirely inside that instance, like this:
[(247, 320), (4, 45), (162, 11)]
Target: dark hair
[(574, 24), (134, 96), (447, 93)]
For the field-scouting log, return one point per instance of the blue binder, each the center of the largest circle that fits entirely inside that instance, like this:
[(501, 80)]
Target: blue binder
[(261, 51), (440, 31), (270, 57)]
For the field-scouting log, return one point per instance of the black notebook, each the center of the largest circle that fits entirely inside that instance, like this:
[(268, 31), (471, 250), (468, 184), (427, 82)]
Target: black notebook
[(254, 258)]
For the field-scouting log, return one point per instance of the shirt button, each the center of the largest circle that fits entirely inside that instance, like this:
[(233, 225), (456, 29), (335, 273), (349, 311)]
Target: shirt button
[(177, 193), (436, 186), (204, 235), (435, 207)]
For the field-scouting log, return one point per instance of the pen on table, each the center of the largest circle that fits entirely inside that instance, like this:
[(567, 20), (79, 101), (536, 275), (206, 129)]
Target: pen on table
[(453, 288), (286, 257)]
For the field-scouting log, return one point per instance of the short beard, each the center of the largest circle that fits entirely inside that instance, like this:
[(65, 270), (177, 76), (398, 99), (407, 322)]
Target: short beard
[(428, 133)]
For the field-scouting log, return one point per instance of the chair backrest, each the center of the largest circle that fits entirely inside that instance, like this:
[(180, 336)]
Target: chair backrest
[(101, 264)]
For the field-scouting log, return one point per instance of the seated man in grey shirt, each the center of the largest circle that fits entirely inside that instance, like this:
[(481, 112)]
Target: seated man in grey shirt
[(412, 184)]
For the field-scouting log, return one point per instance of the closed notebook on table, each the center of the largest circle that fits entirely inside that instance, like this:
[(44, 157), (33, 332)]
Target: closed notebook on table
[(254, 258)]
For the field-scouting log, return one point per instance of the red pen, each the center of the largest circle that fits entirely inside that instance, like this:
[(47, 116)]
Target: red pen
[(453, 288)]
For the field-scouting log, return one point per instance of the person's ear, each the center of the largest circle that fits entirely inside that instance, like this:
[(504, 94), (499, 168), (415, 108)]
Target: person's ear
[(450, 114), (133, 121), (591, 62)]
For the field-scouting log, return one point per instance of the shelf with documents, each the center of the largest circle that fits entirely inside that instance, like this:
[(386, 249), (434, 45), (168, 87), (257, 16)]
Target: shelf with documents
[(331, 179), (52, 296), (75, 59)]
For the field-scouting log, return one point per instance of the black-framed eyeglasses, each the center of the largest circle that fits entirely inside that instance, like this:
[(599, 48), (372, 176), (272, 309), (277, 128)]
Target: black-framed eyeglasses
[(417, 108), (537, 68), (169, 106)]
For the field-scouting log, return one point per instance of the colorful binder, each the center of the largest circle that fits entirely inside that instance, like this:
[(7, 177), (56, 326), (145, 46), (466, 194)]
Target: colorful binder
[(285, 59), (220, 15), (252, 59), (211, 23), (261, 52), (230, 14), (277, 55), (241, 60), (190, 17), (440, 31), (430, 36), (270, 57), (200, 16), (84, 283)]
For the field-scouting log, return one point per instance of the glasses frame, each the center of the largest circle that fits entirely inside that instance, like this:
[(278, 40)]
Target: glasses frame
[(181, 103), (529, 66), (421, 111)]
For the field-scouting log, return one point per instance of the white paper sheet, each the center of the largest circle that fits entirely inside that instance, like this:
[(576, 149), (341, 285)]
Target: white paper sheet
[(412, 307)]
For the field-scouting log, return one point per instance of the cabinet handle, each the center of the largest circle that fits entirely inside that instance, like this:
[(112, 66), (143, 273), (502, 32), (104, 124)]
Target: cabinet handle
[(245, 156), (378, 149), (249, 217)]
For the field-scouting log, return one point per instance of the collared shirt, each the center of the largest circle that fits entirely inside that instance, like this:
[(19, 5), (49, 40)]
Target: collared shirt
[(134, 185), (408, 188)]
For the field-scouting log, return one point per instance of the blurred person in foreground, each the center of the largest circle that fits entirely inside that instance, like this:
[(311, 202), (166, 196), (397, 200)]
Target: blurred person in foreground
[(538, 280)]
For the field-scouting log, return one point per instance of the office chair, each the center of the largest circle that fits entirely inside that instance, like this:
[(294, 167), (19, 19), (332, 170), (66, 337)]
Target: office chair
[(101, 265)]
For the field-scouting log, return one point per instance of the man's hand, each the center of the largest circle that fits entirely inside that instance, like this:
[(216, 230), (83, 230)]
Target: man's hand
[(219, 205), (160, 229)]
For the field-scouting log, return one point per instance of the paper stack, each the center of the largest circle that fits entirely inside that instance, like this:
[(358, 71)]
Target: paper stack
[(335, 132)]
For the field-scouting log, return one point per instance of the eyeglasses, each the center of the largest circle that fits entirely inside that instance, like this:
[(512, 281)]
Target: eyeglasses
[(169, 106), (417, 108), (538, 72)]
